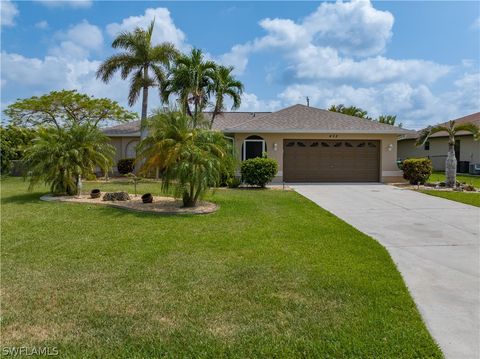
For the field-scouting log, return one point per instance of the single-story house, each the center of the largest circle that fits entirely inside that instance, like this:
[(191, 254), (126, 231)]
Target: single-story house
[(309, 144), (436, 148)]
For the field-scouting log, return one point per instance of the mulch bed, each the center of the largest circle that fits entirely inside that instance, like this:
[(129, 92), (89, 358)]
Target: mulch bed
[(160, 205)]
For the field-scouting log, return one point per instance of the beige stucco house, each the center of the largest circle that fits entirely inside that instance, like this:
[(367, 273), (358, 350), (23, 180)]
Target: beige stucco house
[(309, 144), (466, 148)]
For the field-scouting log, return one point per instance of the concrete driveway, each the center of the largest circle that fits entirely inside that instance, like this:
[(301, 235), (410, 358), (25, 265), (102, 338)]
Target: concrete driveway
[(435, 244)]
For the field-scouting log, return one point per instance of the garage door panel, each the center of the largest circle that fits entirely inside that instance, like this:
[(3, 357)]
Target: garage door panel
[(331, 161)]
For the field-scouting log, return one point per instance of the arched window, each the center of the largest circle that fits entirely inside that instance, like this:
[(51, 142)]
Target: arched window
[(130, 150), (253, 146)]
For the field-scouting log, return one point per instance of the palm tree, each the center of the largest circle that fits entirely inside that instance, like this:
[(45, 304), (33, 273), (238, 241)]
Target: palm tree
[(388, 119), (60, 157), (351, 111), (224, 84), (191, 80), (191, 159), (144, 62), (452, 129)]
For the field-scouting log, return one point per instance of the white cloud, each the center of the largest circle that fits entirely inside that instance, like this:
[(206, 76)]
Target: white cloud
[(8, 12), (78, 41), (77, 4), (476, 24), (164, 30), (250, 102), (42, 25)]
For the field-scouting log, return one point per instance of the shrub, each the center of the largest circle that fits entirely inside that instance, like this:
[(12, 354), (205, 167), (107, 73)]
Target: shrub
[(258, 171), (417, 170), (233, 182), (126, 165)]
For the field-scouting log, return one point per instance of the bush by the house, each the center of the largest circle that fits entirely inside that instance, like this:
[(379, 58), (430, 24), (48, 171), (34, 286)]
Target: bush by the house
[(126, 165), (258, 171), (417, 170), (233, 182)]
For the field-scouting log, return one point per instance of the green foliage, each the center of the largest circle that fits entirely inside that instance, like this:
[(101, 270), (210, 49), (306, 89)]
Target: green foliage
[(66, 109), (233, 182), (191, 80), (126, 165), (58, 157), (351, 111), (225, 85), (417, 170), (191, 159), (145, 63), (13, 141), (388, 120), (258, 171)]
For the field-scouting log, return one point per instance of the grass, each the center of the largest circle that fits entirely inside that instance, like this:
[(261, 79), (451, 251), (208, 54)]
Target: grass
[(269, 275), (472, 199), (473, 180)]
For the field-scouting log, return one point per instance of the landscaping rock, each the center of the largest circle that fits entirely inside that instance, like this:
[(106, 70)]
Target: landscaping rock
[(116, 196)]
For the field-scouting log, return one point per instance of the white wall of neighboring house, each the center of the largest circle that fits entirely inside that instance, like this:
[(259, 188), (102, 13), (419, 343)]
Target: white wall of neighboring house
[(469, 150)]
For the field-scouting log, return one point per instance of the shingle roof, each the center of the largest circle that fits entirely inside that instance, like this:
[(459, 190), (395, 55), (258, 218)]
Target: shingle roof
[(473, 118), (301, 118), (222, 121)]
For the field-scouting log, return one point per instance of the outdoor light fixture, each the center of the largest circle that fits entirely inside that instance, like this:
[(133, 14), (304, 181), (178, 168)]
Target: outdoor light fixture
[(275, 146), (390, 147)]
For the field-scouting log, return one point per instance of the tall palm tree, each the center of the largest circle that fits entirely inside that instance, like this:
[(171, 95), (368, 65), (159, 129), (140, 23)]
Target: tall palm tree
[(452, 129), (60, 157), (224, 84), (191, 80), (145, 63), (191, 159)]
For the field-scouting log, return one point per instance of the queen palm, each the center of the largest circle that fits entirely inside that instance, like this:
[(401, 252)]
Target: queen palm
[(191, 159), (191, 80), (452, 129), (60, 157), (144, 62), (225, 85), (351, 111)]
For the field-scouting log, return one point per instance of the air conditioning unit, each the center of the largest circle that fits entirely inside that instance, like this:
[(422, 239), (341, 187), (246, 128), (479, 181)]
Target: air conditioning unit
[(474, 169)]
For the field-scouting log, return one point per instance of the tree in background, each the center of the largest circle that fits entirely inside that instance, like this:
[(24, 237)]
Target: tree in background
[(61, 157), (225, 85), (191, 80), (351, 111), (358, 112), (13, 141), (191, 159), (452, 129), (145, 63), (64, 109)]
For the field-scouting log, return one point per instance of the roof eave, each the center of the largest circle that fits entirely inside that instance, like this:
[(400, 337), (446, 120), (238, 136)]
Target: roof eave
[(322, 131)]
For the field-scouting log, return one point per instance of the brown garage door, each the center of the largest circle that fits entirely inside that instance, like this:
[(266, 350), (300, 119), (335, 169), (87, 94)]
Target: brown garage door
[(331, 161)]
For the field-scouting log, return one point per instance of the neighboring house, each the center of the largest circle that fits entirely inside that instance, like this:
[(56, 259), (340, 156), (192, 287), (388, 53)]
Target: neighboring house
[(436, 148), (309, 144)]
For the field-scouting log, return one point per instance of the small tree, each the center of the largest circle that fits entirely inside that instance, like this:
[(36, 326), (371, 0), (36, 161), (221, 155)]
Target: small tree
[(60, 158), (134, 179), (191, 159), (65, 109), (452, 129)]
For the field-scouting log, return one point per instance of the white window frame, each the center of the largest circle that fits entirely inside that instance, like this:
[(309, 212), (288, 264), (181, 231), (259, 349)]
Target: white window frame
[(244, 157)]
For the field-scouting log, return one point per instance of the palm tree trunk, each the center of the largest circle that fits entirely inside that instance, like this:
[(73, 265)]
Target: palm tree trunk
[(143, 131), (451, 166)]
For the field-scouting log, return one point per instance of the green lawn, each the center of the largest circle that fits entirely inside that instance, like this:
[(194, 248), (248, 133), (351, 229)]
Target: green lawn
[(463, 197), (470, 179), (467, 198), (269, 275)]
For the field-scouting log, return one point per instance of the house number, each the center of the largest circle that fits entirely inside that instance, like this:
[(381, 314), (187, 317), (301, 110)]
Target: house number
[(332, 136)]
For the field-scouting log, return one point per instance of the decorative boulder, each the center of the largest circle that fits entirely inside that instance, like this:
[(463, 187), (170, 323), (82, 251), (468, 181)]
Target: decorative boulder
[(147, 198), (116, 196), (95, 193)]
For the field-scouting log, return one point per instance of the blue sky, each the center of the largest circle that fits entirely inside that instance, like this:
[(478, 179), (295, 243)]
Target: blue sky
[(417, 60)]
